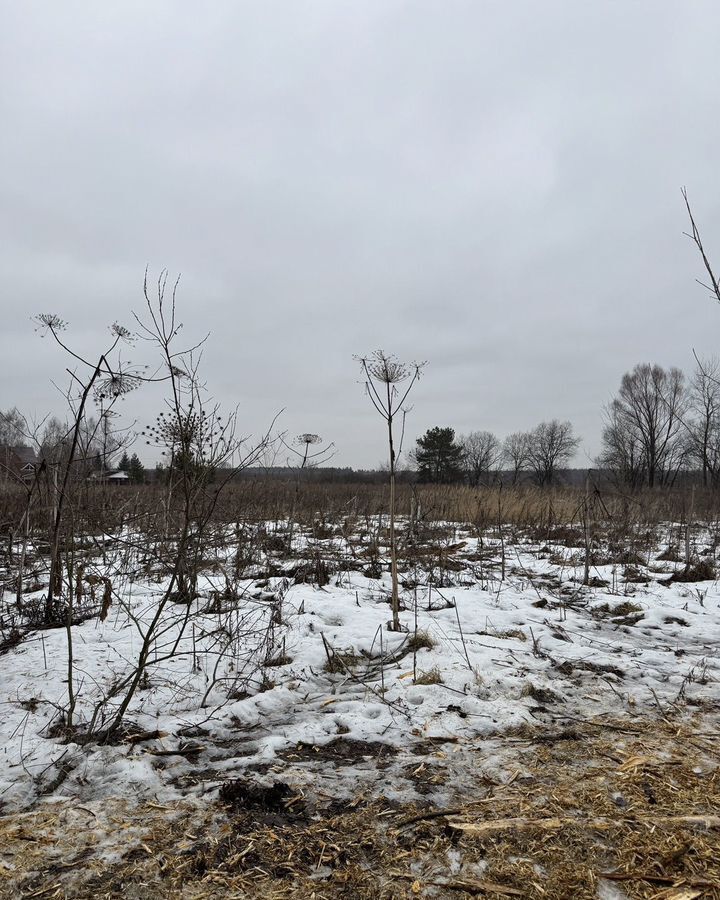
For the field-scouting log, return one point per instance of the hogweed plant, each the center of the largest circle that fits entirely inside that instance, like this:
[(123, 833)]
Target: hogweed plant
[(307, 452), (388, 382), (104, 378)]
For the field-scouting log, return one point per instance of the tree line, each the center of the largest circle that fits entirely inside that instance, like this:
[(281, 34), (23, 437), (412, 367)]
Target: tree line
[(479, 457), (660, 424)]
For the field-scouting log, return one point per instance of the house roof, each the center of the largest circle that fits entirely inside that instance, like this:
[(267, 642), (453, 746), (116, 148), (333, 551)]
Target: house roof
[(25, 455), (118, 476)]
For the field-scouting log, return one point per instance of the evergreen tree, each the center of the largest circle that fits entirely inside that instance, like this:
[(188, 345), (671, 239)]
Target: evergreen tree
[(124, 465), (136, 470), (439, 458)]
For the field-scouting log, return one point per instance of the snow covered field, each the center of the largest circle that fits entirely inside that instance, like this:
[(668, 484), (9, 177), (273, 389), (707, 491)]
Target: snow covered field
[(239, 684)]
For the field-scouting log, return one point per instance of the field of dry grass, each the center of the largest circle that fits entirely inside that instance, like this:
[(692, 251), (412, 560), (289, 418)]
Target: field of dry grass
[(523, 505)]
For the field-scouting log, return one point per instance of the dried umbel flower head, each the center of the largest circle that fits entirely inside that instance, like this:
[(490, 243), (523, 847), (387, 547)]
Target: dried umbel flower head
[(308, 439), (196, 430), (117, 384), (49, 322), (120, 331), (387, 368)]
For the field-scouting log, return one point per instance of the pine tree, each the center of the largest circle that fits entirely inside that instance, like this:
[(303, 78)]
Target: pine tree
[(439, 457), (124, 465), (136, 470)]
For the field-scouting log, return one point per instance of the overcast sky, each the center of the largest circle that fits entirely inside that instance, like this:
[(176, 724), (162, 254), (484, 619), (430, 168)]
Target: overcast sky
[(491, 186)]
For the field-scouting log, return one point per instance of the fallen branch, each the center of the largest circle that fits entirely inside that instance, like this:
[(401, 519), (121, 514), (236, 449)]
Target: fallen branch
[(433, 814), (555, 822), (471, 887), (689, 881)]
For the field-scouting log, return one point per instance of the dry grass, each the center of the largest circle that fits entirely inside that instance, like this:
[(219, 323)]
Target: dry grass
[(510, 634), (555, 511), (593, 802), (341, 661), (432, 676), (420, 640)]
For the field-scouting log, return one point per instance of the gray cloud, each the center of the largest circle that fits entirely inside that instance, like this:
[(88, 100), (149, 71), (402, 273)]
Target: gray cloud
[(492, 187)]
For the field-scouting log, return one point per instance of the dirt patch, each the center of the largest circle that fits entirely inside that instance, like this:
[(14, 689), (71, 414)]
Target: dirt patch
[(425, 776), (630, 803), (340, 752), (596, 668), (541, 695), (273, 804)]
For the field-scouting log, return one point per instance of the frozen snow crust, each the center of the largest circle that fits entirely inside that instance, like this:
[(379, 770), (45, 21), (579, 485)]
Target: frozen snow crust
[(260, 678)]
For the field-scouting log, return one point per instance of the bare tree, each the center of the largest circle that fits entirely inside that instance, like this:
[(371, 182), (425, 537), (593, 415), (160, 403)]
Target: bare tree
[(705, 384), (714, 285), (622, 454), (481, 455), (13, 427), (705, 428), (552, 445), (53, 440), (382, 375), (645, 425), (516, 452), (13, 432)]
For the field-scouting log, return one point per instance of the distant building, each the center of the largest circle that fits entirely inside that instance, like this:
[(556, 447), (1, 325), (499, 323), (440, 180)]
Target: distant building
[(118, 478), (20, 461), (110, 477)]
